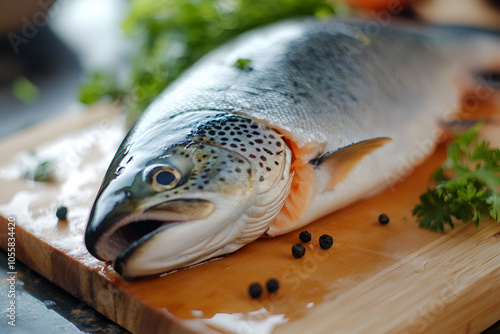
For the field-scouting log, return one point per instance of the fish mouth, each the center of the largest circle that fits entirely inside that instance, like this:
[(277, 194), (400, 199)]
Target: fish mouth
[(127, 232)]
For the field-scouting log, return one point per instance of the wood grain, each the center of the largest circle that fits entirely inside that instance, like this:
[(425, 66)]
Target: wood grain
[(376, 278)]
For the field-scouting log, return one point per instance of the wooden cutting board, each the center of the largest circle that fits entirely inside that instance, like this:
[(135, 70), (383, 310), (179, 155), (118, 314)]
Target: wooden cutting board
[(375, 279)]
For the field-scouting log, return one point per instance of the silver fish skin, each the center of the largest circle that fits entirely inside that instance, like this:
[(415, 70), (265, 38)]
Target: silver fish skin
[(318, 94)]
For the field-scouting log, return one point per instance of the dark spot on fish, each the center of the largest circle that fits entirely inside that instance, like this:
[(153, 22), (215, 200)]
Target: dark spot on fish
[(224, 139), (276, 163), (227, 128), (239, 133), (242, 145), (206, 182), (269, 142), (258, 149), (212, 151), (236, 128), (199, 160), (252, 156), (268, 169), (204, 176), (222, 133), (251, 143), (237, 170), (243, 150), (224, 144), (267, 151), (243, 126), (278, 144), (254, 126), (261, 165), (215, 156), (182, 153), (176, 192), (261, 179), (218, 170), (259, 141), (234, 145), (200, 187), (279, 152), (237, 140), (130, 159), (223, 162), (271, 136), (249, 136), (217, 127), (263, 158), (204, 156), (249, 171), (119, 170), (212, 132), (231, 133)]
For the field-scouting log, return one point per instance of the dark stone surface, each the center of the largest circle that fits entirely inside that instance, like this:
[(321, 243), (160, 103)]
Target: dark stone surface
[(42, 307)]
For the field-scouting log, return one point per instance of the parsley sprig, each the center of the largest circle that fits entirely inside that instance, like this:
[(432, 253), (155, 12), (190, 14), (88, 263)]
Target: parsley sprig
[(466, 185)]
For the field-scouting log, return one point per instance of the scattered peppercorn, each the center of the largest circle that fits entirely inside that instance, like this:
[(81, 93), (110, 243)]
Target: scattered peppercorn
[(325, 241), (383, 219), (272, 285), (62, 212), (305, 236), (255, 290), (298, 250)]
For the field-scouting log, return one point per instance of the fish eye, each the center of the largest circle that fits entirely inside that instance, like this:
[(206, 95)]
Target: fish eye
[(165, 178)]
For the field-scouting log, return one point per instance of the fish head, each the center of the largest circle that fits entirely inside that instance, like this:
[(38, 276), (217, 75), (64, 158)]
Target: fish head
[(161, 209)]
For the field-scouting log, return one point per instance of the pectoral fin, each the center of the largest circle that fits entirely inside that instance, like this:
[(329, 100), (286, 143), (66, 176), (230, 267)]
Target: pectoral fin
[(341, 161)]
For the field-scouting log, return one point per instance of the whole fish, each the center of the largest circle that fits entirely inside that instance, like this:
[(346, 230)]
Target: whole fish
[(324, 114)]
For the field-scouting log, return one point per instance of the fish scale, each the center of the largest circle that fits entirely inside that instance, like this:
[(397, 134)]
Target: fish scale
[(329, 112)]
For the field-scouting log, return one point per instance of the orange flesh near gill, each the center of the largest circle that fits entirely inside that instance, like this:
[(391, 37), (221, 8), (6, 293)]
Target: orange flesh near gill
[(301, 190)]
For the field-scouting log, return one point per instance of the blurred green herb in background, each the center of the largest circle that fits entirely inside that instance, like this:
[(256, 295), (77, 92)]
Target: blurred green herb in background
[(25, 90), (171, 35)]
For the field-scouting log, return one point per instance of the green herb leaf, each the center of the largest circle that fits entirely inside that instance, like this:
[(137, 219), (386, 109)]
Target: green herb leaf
[(243, 64), (41, 172), (169, 36), (465, 185), (25, 90)]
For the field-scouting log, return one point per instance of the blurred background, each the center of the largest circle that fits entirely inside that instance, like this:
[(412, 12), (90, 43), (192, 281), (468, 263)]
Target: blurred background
[(58, 57)]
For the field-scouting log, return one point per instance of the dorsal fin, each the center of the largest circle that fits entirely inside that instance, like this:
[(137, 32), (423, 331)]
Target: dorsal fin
[(342, 160)]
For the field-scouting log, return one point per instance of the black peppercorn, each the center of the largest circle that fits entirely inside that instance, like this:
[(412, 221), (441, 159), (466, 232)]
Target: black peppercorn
[(298, 250), (305, 236), (272, 285), (62, 212), (255, 290), (383, 219), (325, 241)]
